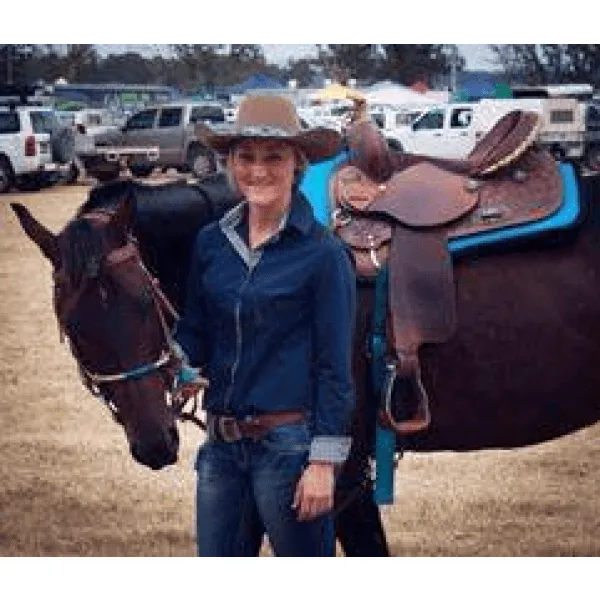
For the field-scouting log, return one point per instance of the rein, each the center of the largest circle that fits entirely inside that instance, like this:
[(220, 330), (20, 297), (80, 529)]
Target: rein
[(170, 359)]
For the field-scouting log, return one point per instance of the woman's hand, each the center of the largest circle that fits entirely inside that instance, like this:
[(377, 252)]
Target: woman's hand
[(314, 492)]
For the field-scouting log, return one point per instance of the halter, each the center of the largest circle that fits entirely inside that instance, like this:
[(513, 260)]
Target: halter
[(171, 357)]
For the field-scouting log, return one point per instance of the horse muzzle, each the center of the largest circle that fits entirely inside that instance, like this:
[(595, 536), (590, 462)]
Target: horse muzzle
[(157, 451)]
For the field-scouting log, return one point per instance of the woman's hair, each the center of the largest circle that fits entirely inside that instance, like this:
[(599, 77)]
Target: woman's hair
[(301, 166)]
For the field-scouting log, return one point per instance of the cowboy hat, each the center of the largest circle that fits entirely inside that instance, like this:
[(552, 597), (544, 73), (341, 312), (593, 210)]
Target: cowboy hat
[(272, 117)]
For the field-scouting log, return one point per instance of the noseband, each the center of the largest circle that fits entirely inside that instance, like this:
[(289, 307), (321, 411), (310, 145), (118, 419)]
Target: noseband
[(170, 359)]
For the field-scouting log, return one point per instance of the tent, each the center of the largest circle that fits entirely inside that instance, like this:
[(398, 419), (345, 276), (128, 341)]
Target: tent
[(258, 81), (336, 91), (388, 92)]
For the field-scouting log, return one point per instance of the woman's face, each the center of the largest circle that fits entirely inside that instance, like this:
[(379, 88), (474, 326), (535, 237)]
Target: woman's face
[(264, 171)]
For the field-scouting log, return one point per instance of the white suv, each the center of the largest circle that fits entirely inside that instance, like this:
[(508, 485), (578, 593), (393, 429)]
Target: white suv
[(26, 147)]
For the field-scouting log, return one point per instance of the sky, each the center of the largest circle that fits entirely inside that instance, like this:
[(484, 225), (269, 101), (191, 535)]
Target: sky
[(478, 56)]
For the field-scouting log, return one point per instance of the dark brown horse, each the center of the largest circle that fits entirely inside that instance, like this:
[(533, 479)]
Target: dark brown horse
[(108, 263), (520, 369)]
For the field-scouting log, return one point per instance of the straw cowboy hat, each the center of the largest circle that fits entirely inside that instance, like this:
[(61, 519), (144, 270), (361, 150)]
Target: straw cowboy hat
[(272, 117)]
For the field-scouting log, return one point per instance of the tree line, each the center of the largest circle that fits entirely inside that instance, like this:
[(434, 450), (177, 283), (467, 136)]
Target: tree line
[(191, 67)]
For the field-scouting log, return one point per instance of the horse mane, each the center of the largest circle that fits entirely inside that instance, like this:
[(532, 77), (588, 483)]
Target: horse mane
[(107, 196), (81, 250)]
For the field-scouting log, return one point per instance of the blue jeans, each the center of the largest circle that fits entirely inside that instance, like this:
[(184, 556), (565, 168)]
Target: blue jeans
[(246, 489)]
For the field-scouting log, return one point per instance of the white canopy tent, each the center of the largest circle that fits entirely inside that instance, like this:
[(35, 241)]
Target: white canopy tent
[(393, 94)]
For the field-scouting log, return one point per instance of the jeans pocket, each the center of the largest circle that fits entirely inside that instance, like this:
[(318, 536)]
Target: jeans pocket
[(292, 438), (206, 464)]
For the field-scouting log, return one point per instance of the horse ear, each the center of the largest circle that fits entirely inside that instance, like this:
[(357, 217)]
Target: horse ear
[(123, 217), (46, 241)]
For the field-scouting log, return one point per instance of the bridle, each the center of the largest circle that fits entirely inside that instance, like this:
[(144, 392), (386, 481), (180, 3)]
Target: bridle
[(170, 360)]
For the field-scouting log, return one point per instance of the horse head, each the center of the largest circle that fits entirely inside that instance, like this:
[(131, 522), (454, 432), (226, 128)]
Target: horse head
[(117, 322)]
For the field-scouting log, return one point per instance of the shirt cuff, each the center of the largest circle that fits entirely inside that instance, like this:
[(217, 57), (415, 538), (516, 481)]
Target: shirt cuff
[(329, 448)]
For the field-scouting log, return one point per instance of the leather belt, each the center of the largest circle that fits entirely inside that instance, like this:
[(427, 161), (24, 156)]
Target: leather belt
[(229, 429)]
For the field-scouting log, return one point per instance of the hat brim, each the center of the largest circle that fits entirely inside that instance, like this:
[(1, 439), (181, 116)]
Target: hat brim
[(317, 144)]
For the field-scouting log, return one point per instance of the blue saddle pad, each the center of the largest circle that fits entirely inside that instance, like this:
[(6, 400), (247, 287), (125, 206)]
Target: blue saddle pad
[(315, 186)]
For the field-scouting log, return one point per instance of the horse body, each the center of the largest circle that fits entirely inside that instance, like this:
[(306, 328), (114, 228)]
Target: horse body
[(520, 369), (522, 366)]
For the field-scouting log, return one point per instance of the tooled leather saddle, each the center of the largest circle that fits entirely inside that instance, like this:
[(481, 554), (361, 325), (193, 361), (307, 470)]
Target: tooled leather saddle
[(399, 210)]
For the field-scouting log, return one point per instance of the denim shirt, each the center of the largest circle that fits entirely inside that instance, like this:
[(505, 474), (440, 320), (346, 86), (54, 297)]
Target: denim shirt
[(272, 327)]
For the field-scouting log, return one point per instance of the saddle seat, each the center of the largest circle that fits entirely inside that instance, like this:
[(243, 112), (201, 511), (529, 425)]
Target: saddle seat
[(402, 225)]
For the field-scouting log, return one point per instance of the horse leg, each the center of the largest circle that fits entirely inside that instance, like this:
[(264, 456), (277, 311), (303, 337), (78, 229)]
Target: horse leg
[(358, 525), (357, 519)]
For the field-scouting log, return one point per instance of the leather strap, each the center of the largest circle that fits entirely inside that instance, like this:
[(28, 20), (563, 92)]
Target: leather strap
[(229, 429)]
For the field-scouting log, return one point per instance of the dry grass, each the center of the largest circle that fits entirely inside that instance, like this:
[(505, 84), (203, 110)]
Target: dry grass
[(68, 486)]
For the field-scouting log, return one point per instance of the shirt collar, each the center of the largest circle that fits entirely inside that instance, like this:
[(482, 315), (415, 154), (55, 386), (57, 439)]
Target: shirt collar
[(299, 217)]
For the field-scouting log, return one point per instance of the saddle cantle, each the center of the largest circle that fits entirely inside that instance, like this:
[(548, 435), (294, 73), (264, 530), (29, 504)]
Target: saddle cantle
[(405, 221)]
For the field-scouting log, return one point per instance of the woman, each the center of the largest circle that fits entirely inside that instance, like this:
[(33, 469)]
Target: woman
[(269, 318)]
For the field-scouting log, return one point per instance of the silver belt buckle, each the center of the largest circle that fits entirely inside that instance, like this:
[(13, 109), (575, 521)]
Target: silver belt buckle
[(228, 429)]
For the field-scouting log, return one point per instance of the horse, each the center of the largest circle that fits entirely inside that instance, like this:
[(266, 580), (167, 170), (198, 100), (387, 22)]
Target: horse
[(492, 385), (518, 369), (120, 268)]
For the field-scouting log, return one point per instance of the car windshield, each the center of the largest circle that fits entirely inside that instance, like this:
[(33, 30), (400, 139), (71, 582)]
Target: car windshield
[(43, 121)]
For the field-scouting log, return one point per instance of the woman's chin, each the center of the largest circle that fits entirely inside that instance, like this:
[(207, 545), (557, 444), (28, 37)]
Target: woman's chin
[(261, 198)]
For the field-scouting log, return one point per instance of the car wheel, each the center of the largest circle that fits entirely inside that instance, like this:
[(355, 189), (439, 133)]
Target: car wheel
[(395, 145), (104, 173), (73, 173), (141, 171), (201, 162), (592, 159), (6, 176), (28, 183)]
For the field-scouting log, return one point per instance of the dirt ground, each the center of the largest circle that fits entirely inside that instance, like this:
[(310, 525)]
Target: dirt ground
[(68, 486)]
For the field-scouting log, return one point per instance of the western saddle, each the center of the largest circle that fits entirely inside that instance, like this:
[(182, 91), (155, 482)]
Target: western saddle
[(398, 211)]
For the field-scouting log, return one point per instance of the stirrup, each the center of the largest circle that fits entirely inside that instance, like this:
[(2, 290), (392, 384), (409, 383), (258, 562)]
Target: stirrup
[(422, 417)]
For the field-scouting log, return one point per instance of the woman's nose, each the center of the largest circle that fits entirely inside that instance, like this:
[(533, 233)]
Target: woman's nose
[(258, 169)]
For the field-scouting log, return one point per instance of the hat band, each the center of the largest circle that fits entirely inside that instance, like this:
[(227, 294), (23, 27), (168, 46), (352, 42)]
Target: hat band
[(263, 131)]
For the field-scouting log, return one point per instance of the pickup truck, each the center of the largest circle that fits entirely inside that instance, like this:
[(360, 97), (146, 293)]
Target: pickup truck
[(171, 128), (452, 130)]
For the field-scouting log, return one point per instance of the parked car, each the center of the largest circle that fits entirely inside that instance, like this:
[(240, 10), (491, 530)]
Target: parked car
[(452, 130), (171, 128), (35, 150)]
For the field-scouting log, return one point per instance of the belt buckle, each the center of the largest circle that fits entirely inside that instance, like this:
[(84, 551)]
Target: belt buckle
[(229, 429)]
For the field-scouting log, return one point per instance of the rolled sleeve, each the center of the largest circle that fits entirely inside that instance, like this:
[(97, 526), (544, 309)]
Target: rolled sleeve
[(332, 449), (334, 330)]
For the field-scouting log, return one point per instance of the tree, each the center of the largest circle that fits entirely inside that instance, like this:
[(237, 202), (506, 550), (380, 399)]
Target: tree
[(346, 61), (79, 62), (246, 52), (13, 62), (549, 63), (200, 61), (408, 63), (302, 71)]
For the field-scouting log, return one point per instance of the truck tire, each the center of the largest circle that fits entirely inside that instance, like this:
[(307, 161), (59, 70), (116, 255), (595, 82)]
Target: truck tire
[(7, 177), (29, 183), (395, 145), (63, 145), (592, 159), (141, 170), (104, 173), (74, 173), (201, 161)]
